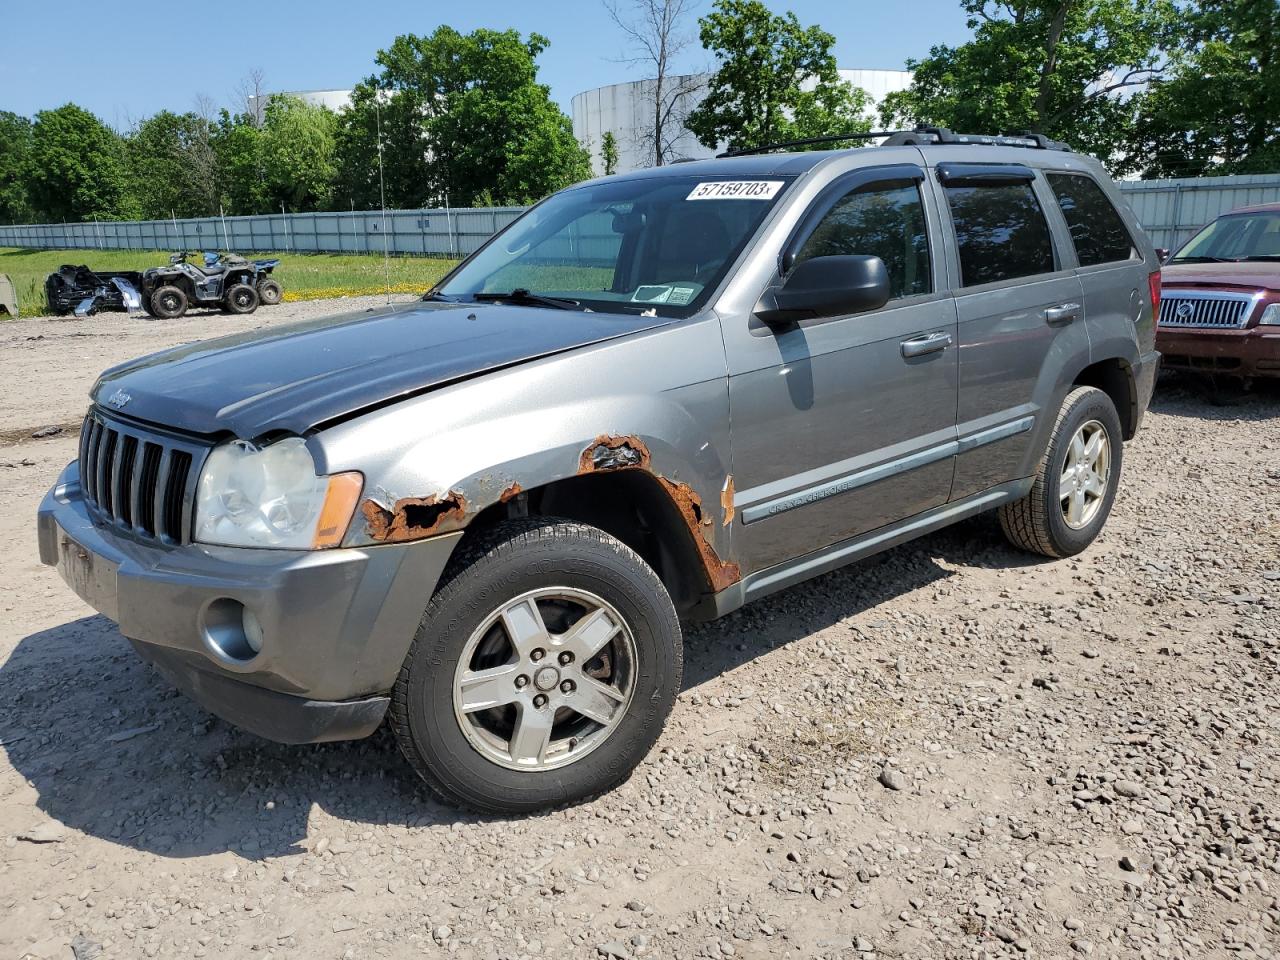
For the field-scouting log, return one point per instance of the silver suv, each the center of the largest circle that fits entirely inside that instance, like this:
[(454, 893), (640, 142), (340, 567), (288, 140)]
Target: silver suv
[(654, 397)]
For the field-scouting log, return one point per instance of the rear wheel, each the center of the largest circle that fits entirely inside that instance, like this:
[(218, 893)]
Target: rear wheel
[(542, 672), (1076, 482), (168, 302), (269, 292), (241, 298)]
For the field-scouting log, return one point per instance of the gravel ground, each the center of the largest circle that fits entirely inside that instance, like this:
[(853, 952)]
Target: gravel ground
[(952, 750)]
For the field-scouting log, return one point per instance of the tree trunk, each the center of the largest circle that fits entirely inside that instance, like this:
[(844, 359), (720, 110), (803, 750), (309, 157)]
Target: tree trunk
[(1044, 95)]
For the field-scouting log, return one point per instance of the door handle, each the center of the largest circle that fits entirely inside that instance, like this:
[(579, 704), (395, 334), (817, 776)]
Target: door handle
[(920, 346), (1063, 314)]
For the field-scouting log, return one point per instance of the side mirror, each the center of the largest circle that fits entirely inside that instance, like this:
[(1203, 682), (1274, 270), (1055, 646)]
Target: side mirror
[(826, 287), (1162, 254)]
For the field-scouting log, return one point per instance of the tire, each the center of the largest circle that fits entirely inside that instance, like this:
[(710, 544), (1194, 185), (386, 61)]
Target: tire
[(1039, 522), (456, 750), (269, 292), (168, 302), (240, 298)]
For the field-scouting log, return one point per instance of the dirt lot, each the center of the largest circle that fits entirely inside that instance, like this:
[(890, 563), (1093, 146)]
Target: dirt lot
[(953, 750)]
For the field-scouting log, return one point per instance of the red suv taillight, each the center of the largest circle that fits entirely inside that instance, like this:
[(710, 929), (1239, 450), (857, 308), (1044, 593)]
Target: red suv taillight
[(1153, 282)]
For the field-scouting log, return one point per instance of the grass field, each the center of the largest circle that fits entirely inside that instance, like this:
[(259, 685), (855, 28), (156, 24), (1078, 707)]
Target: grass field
[(304, 276)]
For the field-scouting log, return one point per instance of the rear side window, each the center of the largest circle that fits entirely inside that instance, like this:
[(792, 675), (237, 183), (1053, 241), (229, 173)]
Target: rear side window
[(1001, 232), (884, 219), (1096, 228)]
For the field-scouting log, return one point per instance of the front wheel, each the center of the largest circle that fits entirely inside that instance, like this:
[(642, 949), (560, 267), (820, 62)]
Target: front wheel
[(1076, 482), (542, 671), (269, 292), (168, 302)]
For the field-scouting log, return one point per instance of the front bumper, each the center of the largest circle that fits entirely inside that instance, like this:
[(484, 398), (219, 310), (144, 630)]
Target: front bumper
[(1251, 352), (336, 624)]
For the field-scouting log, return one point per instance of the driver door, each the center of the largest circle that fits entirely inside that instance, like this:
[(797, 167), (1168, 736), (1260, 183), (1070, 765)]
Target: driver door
[(845, 424)]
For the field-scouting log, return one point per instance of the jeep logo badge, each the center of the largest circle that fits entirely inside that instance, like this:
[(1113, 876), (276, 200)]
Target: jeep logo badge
[(119, 399)]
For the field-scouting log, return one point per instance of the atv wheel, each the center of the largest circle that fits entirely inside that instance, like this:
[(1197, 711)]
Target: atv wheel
[(168, 303), (269, 292), (241, 298)]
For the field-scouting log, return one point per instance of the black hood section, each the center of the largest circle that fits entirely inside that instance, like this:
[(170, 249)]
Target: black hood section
[(293, 377)]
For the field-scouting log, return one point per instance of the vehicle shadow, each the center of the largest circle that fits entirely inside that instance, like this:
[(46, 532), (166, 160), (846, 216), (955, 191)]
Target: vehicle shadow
[(112, 750), (1204, 397)]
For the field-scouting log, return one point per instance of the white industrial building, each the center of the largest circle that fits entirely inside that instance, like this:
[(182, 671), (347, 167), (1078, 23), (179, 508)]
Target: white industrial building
[(626, 110), (335, 100)]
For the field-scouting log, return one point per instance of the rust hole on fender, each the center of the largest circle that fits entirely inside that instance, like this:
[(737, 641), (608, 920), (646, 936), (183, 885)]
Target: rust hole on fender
[(726, 501), (687, 501), (413, 518), (510, 493), (608, 452)]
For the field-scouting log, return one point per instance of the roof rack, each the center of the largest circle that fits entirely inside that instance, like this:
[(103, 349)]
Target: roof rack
[(920, 136)]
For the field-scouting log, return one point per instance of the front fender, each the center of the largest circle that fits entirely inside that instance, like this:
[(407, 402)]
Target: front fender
[(432, 463)]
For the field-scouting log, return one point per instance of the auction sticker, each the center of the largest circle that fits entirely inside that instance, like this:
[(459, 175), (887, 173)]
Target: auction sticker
[(736, 190)]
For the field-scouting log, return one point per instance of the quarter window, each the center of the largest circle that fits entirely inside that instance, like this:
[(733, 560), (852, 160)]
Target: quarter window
[(884, 219), (1096, 229), (1001, 232)]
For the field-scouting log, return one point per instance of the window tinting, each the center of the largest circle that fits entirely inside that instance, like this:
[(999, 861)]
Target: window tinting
[(1096, 228), (1001, 232), (885, 220)]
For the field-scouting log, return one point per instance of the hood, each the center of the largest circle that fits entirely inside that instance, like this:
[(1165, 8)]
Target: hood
[(1255, 275), (294, 377)]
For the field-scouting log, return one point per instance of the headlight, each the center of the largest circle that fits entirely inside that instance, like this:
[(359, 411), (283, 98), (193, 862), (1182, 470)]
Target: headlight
[(271, 497), (1271, 315)]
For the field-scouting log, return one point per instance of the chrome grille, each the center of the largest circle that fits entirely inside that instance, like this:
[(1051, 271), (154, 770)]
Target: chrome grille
[(1192, 308), (142, 481)]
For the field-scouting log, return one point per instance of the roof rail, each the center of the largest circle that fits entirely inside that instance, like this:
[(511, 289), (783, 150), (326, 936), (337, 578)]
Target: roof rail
[(920, 136)]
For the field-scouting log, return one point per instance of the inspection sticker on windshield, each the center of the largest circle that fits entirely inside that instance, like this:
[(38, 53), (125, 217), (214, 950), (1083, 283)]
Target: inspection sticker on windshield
[(736, 190)]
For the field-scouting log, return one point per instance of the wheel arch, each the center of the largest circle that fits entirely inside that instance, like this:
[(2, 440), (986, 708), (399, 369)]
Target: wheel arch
[(1114, 376)]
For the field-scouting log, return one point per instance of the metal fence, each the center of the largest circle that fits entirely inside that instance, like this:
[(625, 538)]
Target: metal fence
[(433, 232), (1169, 209)]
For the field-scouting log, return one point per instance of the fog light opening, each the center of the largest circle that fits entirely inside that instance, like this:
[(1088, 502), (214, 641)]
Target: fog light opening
[(232, 631)]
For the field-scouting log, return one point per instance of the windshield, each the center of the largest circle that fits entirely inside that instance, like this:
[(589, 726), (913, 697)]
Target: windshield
[(659, 244), (1239, 236)]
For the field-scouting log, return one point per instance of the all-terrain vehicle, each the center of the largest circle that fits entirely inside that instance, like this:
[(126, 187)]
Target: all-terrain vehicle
[(228, 281), (84, 291)]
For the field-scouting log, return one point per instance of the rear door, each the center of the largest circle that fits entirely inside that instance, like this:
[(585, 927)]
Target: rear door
[(1020, 314)]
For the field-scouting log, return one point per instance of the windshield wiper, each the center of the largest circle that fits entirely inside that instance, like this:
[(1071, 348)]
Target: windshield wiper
[(1269, 257), (1200, 260), (521, 295)]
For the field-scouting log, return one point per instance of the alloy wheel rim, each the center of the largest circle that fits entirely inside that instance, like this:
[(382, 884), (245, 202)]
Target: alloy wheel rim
[(545, 679), (1086, 472)]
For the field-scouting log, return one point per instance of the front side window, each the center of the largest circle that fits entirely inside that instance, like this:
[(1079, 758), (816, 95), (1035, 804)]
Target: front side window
[(1235, 237), (1096, 229), (1001, 232), (883, 219), (659, 244)]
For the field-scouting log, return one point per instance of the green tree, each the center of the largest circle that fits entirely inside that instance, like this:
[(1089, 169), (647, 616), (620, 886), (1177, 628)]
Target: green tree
[(460, 114), (78, 168), (1217, 111), (777, 80), (15, 167), (609, 153), (174, 167), (1064, 68), (237, 144), (296, 151)]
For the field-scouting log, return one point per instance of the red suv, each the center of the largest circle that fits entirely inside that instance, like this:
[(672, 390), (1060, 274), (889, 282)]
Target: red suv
[(1220, 302)]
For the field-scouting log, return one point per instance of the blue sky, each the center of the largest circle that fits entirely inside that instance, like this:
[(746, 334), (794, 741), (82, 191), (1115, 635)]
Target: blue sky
[(126, 65)]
